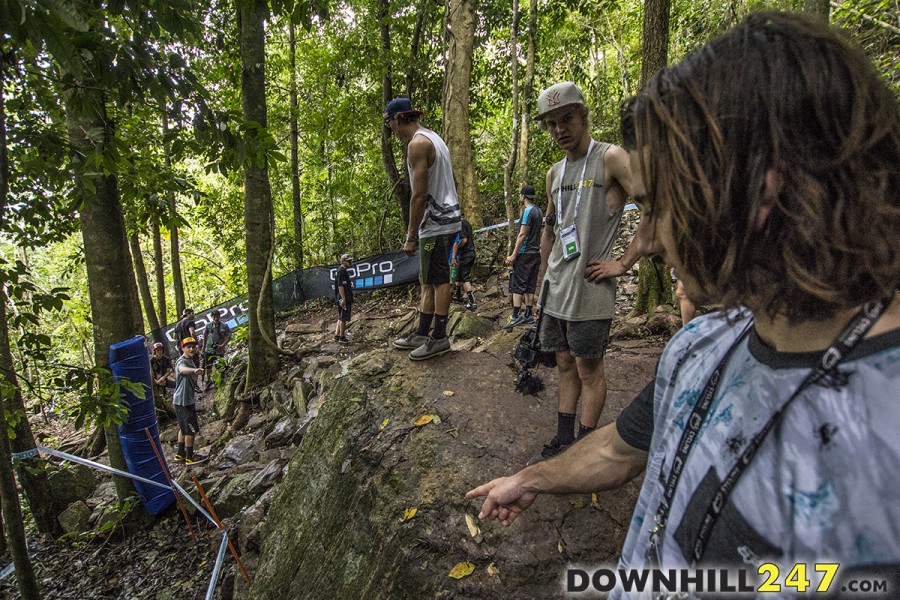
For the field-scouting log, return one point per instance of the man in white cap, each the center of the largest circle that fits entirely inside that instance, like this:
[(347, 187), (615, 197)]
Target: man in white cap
[(586, 191), (343, 289), (434, 220)]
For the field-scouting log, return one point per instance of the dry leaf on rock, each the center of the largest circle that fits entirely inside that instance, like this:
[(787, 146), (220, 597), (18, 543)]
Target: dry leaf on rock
[(492, 570), (594, 502), (463, 569), (449, 393), (577, 502), (473, 528), (384, 423), (424, 420), (409, 513)]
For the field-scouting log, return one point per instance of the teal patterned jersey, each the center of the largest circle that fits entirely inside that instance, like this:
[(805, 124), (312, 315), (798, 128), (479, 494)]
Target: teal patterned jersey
[(823, 487)]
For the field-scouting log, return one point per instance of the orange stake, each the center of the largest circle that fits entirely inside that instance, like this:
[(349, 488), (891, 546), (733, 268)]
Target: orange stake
[(169, 479), (215, 517)]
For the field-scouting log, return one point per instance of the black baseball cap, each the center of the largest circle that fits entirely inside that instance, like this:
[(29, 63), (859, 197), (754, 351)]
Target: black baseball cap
[(528, 191)]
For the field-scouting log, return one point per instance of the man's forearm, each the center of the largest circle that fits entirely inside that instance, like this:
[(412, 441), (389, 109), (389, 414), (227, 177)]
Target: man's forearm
[(639, 244), (600, 461), (416, 212)]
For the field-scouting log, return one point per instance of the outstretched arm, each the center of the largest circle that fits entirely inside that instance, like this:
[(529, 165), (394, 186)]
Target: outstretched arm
[(601, 460)]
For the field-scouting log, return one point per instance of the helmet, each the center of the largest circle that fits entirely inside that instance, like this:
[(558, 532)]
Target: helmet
[(188, 340), (158, 346)]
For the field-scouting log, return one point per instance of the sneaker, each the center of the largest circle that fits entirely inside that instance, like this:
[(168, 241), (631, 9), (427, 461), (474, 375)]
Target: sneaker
[(471, 306), (430, 348), (343, 340), (514, 321), (551, 449), (527, 320), (179, 458), (196, 459), (410, 342)]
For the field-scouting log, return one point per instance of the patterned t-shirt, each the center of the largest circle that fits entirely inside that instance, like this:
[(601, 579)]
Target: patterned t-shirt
[(823, 487)]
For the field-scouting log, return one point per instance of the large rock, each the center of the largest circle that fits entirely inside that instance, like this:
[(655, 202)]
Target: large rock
[(76, 518), (71, 483), (235, 495), (340, 509), (469, 324)]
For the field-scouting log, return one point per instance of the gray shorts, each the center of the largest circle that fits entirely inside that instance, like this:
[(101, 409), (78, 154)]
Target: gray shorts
[(583, 339)]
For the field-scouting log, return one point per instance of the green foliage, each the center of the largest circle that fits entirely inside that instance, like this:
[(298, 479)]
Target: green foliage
[(98, 394)]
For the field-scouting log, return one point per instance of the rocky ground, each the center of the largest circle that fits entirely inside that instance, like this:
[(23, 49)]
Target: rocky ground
[(250, 443)]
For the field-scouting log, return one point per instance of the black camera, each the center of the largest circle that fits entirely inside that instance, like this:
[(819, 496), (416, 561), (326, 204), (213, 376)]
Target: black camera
[(550, 219)]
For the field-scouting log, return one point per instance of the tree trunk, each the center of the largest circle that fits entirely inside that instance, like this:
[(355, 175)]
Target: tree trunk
[(654, 282), (177, 280), (115, 311), (12, 519), (259, 220), (140, 274), (295, 156), (460, 38), (509, 194), (160, 273), (527, 94), (400, 186), (818, 8)]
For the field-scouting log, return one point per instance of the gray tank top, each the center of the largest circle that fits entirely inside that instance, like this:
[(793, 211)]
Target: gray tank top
[(442, 206), (571, 296)]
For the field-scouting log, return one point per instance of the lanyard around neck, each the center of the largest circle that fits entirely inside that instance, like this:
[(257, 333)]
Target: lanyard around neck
[(580, 185), (848, 339)]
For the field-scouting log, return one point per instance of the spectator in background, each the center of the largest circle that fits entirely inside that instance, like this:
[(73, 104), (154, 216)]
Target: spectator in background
[(343, 289), (215, 337), (184, 399), (160, 369), (525, 259), (186, 327), (463, 257)]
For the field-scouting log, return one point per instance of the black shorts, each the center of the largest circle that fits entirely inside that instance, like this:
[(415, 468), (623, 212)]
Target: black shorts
[(434, 259), (525, 272), (464, 268), (344, 313), (187, 419)]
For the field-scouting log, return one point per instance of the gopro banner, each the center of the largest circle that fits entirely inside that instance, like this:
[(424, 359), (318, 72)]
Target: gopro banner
[(372, 273)]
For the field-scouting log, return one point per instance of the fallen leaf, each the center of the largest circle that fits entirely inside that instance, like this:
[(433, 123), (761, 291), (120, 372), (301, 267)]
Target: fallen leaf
[(463, 569), (114, 581), (436, 420), (473, 528), (424, 420), (475, 443), (395, 388), (577, 502), (559, 547), (409, 513), (454, 432), (492, 570), (384, 423), (449, 393), (594, 502)]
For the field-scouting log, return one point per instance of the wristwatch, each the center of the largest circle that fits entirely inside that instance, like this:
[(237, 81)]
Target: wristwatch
[(410, 238)]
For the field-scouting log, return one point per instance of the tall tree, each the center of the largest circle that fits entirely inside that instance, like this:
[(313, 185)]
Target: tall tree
[(143, 283), (398, 180), (295, 153), (527, 92), (654, 279), (158, 271), (819, 8), (115, 311), (509, 194), (259, 220), (177, 279), (459, 40)]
